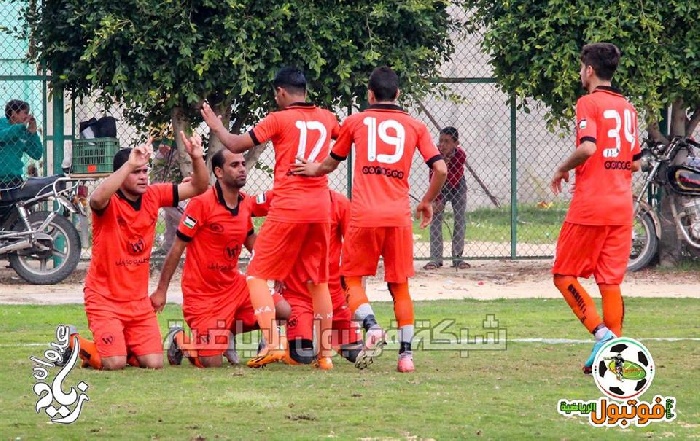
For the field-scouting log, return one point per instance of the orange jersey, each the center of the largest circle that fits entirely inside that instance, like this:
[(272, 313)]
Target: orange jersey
[(215, 235), (385, 139), (300, 130), (123, 235), (603, 194), (340, 216)]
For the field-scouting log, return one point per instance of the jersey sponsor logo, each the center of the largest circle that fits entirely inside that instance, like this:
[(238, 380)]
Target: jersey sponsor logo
[(618, 165), (377, 170), (136, 245), (232, 250), (189, 222), (222, 268)]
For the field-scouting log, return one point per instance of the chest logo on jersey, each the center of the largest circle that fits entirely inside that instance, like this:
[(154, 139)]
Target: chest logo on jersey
[(216, 228), (189, 222), (135, 245), (232, 250)]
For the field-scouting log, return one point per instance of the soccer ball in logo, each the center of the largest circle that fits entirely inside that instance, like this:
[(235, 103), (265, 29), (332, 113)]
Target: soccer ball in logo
[(623, 369)]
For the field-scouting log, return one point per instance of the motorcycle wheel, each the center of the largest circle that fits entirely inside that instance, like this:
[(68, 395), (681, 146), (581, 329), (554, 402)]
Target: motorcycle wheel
[(48, 268), (645, 243)]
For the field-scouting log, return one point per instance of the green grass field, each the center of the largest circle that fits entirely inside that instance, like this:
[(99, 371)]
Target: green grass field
[(534, 225), (504, 394)]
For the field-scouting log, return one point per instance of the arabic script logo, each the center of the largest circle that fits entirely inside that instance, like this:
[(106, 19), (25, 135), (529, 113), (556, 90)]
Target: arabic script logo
[(61, 407), (623, 370)]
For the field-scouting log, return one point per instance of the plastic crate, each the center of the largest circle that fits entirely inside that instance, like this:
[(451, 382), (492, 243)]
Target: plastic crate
[(94, 155)]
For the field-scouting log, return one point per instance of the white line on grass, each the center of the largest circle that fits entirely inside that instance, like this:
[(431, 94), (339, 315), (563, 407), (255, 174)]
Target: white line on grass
[(549, 341)]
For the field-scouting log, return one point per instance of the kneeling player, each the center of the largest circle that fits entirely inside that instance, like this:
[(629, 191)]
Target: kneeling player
[(216, 300)]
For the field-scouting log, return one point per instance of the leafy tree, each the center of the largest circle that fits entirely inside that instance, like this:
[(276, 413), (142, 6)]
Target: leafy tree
[(535, 46), (534, 49), (161, 59)]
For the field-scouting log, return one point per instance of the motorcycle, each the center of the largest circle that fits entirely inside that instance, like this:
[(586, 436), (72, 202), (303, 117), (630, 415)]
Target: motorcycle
[(674, 167), (36, 235)]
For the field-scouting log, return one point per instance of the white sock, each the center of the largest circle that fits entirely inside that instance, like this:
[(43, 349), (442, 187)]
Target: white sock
[(600, 333), (363, 311)]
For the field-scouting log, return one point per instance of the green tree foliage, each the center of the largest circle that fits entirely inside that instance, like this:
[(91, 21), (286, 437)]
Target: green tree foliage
[(162, 58), (535, 46)]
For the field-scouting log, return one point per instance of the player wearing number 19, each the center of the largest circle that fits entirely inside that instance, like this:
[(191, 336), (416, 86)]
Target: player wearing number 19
[(385, 139), (297, 228), (595, 238)]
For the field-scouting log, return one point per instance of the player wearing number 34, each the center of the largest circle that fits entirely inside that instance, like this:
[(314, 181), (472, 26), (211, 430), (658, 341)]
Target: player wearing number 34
[(297, 228), (385, 139), (595, 237)]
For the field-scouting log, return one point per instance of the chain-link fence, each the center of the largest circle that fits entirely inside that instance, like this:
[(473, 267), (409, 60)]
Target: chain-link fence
[(496, 204)]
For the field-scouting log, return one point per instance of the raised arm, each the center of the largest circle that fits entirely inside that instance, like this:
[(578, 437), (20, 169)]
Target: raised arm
[(235, 143), (137, 158), (200, 175)]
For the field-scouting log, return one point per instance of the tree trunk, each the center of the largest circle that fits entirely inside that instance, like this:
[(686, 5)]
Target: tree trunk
[(671, 239)]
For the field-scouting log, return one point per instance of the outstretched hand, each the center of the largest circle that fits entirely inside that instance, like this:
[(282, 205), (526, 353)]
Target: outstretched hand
[(193, 145), (424, 212), (212, 119), (140, 155), (559, 176), (306, 168)]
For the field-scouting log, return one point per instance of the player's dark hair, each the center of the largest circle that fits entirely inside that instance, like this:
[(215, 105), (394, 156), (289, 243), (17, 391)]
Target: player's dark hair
[(451, 132), (291, 79), (384, 83), (602, 57), (217, 160), (15, 106), (120, 158)]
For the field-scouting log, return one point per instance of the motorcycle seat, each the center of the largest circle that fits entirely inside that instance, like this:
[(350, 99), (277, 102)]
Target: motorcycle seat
[(31, 188)]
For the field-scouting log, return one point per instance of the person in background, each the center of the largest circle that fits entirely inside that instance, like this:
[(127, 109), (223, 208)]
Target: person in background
[(455, 192), (18, 135)]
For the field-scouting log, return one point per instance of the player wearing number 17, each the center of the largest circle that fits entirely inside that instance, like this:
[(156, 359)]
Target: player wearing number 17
[(596, 236), (385, 139), (297, 228)]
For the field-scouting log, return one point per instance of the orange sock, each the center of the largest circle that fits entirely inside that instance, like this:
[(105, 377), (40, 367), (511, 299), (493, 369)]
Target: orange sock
[(323, 317), (613, 308), (264, 308), (579, 301), (356, 293), (403, 305), (88, 351)]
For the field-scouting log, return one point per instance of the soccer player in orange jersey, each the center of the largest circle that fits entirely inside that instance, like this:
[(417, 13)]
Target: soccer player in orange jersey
[(124, 214), (595, 238), (346, 337), (214, 228), (385, 139), (298, 225)]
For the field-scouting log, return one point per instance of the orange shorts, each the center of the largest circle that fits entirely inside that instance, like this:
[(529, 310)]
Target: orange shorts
[(280, 244), (599, 250), (121, 328), (211, 329), (301, 321), (362, 248)]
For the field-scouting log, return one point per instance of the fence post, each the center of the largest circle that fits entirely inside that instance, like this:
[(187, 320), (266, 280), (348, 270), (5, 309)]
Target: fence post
[(57, 130), (58, 144), (350, 165), (513, 181)]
